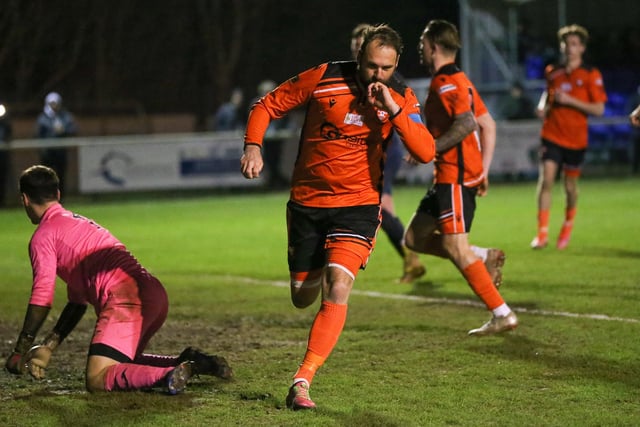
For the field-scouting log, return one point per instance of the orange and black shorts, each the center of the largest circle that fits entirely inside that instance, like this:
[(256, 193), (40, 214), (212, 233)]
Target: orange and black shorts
[(453, 206), (570, 160), (331, 236)]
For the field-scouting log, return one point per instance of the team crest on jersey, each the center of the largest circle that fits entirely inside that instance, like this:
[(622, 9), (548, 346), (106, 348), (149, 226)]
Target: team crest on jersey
[(566, 87), (382, 115), (353, 119)]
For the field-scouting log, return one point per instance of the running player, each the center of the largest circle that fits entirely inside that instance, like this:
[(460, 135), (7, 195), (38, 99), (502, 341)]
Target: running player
[(412, 268), (333, 213), (440, 226)]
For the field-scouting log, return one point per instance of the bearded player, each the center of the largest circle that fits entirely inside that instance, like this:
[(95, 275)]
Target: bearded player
[(333, 214)]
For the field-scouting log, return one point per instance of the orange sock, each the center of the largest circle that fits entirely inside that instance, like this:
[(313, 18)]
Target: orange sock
[(543, 224), (569, 214), (567, 225), (480, 281), (323, 337)]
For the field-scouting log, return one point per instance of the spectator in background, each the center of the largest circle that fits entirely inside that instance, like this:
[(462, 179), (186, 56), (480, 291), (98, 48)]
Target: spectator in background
[(574, 92), (55, 122), (391, 224), (229, 116), (5, 136), (516, 105)]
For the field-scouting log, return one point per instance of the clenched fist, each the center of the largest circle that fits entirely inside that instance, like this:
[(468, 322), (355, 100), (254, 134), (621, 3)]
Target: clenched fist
[(36, 361)]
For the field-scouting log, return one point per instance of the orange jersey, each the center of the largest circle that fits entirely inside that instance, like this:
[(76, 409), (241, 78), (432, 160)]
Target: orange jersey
[(567, 126), (341, 150), (450, 94)]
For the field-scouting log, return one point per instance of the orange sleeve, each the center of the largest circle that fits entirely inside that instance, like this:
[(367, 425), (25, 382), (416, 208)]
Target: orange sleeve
[(408, 123), (276, 104), (257, 125)]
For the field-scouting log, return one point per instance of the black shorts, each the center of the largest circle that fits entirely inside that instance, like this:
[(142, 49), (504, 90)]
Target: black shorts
[(570, 160), (314, 231), (452, 205)]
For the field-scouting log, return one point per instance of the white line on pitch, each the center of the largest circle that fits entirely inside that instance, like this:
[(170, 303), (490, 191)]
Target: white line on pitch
[(451, 301)]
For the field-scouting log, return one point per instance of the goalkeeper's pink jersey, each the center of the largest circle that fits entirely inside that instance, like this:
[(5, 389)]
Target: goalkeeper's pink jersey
[(85, 255)]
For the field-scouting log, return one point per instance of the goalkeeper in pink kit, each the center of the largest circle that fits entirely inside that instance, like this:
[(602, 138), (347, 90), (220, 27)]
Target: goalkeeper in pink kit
[(130, 303)]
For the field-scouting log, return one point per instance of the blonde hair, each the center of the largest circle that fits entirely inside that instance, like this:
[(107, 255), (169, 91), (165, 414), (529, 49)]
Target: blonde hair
[(573, 30)]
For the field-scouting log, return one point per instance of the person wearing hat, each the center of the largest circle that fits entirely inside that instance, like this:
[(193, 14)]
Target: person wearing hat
[(55, 122)]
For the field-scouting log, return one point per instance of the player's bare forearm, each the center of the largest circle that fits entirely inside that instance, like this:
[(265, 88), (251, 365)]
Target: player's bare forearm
[(589, 108), (487, 140), (462, 126)]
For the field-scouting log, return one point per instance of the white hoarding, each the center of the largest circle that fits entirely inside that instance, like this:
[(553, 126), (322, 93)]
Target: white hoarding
[(168, 162)]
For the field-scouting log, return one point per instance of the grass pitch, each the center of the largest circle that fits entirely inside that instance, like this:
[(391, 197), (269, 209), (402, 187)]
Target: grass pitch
[(404, 358)]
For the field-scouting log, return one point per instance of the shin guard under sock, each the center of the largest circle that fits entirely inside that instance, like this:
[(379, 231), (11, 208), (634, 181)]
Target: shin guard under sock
[(129, 376), (323, 336), (480, 281)]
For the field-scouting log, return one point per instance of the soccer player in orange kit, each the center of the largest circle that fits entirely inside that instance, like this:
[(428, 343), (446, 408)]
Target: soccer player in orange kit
[(574, 91), (333, 213), (465, 138)]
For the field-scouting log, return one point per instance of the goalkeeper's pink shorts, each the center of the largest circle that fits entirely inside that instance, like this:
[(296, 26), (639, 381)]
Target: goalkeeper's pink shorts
[(132, 314)]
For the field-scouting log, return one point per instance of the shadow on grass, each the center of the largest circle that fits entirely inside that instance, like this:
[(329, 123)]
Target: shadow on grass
[(599, 251), (58, 407), (430, 289), (567, 365)]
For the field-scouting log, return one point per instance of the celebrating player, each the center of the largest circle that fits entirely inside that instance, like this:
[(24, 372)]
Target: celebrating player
[(130, 303), (412, 268), (574, 91), (440, 226), (334, 209)]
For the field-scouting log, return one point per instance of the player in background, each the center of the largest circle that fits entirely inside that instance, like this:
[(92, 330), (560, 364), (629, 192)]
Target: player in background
[(130, 303), (634, 117), (391, 224), (333, 213), (574, 91), (412, 267), (465, 138)]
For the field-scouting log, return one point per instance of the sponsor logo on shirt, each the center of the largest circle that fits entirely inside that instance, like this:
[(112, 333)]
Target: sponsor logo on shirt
[(330, 132), (353, 119)]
